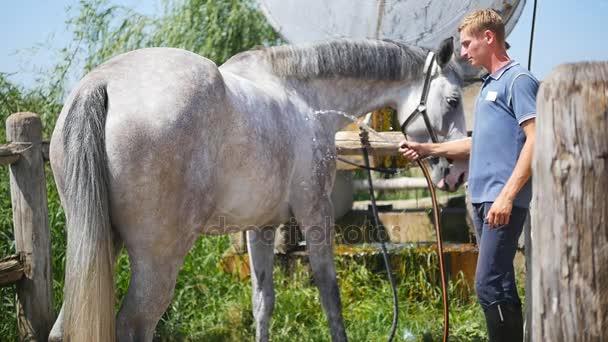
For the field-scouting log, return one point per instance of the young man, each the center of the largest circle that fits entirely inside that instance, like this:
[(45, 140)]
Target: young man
[(500, 154)]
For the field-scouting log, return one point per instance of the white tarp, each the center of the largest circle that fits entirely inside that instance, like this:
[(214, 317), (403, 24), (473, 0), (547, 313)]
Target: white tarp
[(419, 22)]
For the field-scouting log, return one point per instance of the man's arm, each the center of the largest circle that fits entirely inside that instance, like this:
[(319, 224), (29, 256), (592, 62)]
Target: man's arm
[(523, 169), (500, 211), (455, 149)]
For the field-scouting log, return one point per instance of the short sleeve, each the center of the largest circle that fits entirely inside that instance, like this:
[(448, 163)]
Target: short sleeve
[(523, 97)]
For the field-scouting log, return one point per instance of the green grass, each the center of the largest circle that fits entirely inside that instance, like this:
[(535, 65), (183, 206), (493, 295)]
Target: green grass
[(213, 306)]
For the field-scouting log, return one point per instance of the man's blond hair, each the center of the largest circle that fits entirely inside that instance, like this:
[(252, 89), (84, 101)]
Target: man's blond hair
[(477, 22)]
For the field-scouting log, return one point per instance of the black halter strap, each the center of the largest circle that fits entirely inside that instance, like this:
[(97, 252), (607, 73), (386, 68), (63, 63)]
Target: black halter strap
[(421, 109)]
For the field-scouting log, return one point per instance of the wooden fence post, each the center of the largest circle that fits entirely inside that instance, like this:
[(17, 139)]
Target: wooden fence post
[(31, 225), (570, 227)]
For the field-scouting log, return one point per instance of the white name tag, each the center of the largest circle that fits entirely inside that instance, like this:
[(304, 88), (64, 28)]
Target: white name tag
[(491, 96)]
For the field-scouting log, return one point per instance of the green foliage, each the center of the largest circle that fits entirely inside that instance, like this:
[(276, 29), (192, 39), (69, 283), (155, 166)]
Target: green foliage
[(209, 305), (214, 29), (14, 99)]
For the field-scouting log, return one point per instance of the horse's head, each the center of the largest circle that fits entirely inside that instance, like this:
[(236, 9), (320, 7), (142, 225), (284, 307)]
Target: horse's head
[(444, 111)]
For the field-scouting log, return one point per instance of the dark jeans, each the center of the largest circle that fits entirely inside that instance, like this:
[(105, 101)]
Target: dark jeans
[(495, 275)]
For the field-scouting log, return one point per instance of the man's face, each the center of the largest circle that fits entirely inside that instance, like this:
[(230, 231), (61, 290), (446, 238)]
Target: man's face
[(474, 48)]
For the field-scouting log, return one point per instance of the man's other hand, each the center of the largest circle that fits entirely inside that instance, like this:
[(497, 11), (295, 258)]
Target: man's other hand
[(500, 212), (412, 150)]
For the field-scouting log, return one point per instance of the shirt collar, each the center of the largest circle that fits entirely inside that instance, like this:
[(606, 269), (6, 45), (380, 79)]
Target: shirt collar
[(498, 73)]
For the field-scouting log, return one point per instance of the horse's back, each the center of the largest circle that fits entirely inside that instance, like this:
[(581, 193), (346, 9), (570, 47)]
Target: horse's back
[(162, 111), (161, 83), (158, 87)]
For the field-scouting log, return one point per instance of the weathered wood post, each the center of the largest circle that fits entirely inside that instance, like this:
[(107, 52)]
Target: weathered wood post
[(32, 232), (570, 227)]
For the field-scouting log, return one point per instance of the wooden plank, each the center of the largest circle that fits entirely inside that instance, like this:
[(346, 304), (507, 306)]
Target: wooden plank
[(31, 225), (570, 254), (408, 227), (400, 183), (424, 202), (382, 143), (10, 153), (11, 269), (11, 149)]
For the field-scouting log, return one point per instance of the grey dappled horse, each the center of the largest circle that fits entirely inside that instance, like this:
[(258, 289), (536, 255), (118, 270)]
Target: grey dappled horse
[(158, 146)]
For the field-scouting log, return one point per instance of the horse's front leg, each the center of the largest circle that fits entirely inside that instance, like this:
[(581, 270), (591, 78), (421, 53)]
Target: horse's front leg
[(260, 244), (316, 220)]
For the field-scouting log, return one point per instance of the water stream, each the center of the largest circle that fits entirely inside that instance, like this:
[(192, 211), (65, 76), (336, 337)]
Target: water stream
[(354, 119)]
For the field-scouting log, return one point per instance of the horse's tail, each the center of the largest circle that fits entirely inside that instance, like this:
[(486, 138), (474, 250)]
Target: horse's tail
[(89, 276)]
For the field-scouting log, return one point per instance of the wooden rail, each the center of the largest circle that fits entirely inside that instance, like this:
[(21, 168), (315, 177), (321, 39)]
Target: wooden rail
[(12, 269), (10, 153), (382, 144), (401, 183)]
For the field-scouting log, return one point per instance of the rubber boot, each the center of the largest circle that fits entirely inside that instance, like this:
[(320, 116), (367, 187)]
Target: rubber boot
[(505, 322)]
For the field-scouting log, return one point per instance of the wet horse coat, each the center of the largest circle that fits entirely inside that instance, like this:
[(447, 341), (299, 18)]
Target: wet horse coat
[(158, 146)]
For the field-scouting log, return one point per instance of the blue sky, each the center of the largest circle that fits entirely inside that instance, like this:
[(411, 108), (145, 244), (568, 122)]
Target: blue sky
[(566, 31)]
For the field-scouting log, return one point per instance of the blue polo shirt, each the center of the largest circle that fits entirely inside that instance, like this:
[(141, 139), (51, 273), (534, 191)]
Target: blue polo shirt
[(507, 98)]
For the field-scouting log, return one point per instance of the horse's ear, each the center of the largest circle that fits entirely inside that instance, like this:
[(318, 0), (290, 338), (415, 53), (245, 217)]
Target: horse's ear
[(445, 51)]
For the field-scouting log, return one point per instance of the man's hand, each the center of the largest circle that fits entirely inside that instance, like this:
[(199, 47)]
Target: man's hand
[(412, 150), (500, 212)]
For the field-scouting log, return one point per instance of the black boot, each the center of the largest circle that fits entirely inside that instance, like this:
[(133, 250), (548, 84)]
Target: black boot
[(505, 322)]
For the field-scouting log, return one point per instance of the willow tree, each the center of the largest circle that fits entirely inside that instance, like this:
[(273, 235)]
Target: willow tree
[(216, 29)]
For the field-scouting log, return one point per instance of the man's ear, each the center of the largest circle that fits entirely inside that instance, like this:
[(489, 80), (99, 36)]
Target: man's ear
[(489, 36), (445, 51)]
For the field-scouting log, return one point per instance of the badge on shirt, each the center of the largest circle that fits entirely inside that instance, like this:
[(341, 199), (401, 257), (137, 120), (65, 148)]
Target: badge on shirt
[(491, 96)]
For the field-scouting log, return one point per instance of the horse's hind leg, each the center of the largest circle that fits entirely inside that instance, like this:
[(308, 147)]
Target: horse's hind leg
[(260, 244), (154, 269), (316, 221)]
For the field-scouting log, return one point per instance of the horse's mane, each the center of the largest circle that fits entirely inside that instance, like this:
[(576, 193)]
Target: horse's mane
[(362, 59)]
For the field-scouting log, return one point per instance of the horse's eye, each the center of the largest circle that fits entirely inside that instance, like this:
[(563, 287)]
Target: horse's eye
[(453, 101)]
